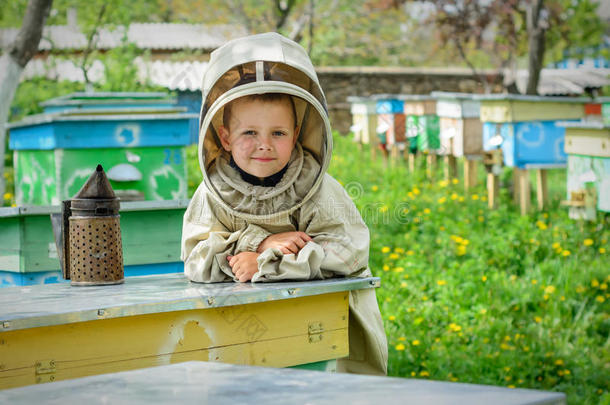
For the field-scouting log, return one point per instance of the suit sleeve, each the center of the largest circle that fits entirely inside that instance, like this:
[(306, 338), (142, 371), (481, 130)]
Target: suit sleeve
[(210, 235), (340, 246)]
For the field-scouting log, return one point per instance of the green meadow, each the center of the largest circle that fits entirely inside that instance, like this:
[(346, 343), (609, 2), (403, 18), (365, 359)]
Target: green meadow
[(474, 295)]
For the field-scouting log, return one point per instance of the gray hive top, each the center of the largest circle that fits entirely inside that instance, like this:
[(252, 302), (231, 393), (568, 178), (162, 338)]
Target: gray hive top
[(56, 304), (216, 383)]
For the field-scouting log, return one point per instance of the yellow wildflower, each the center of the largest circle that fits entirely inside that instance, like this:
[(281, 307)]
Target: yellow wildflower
[(392, 318), (461, 250), (441, 282), (385, 249), (511, 386), (374, 188), (455, 327), (455, 181), (415, 342), (541, 225), (403, 284), (393, 256), (481, 218), (602, 250), (424, 374), (556, 245), (386, 267), (443, 183), (559, 362), (424, 298), (594, 283), (441, 228), (427, 210), (400, 347), (484, 278), (600, 299), (399, 250), (454, 196), (534, 282), (483, 311), (399, 269), (442, 200), (384, 208), (416, 191), (580, 289), (603, 286), (461, 199), (565, 253), (410, 253), (537, 319), (8, 196), (475, 197), (549, 289), (587, 242), (484, 198), (402, 339)]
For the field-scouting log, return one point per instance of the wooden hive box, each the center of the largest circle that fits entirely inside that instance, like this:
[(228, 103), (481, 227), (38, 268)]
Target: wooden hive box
[(524, 127), (423, 126), (364, 119), (151, 234), (461, 131), (142, 151), (588, 149), (390, 119)]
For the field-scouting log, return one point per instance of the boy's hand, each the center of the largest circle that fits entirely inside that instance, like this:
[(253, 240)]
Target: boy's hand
[(286, 242), (243, 265)]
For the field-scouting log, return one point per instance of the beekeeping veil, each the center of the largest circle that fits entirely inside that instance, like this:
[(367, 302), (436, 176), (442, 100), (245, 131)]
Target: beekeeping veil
[(264, 63)]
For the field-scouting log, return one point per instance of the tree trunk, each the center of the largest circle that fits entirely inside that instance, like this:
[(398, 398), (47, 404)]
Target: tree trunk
[(12, 63), (536, 29)]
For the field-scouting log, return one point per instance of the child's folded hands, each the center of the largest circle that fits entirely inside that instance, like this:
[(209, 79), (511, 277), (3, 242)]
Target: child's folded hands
[(286, 242)]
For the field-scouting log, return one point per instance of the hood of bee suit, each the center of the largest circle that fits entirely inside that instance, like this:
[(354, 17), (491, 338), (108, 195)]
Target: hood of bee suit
[(257, 64)]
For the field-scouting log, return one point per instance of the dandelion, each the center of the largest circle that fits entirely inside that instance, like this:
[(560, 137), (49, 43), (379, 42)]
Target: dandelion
[(505, 346), (481, 218), (403, 284), (461, 199), (541, 225), (475, 197), (399, 250), (566, 253), (424, 298), (534, 282), (537, 319), (587, 242), (416, 191), (415, 342), (484, 278), (602, 250), (549, 289), (594, 283), (441, 282), (393, 256), (580, 289), (559, 362), (374, 188), (427, 210), (454, 197), (399, 269), (441, 228), (455, 327), (400, 347), (442, 200), (386, 267), (410, 253), (511, 386), (483, 198), (8, 196), (443, 183), (385, 249), (600, 299), (383, 208), (465, 242), (424, 374), (513, 277), (556, 245), (413, 374), (483, 311), (455, 181), (392, 318), (402, 339), (603, 286)]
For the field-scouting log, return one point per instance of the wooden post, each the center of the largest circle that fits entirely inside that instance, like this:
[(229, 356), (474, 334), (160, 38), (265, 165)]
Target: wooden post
[(470, 174), (541, 188), (371, 121), (524, 190), (412, 162), (394, 154), (430, 165), (493, 190), (516, 185), (450, 167)]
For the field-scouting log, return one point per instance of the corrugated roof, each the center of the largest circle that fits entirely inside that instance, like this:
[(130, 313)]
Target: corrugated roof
[(144, 35), (555, 82)]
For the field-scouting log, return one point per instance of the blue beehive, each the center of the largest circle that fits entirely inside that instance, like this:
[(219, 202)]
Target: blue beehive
[(142, 147), (391, 128), (524, 127)]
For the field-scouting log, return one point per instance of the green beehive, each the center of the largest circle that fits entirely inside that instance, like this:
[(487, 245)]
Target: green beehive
[(422, 123)]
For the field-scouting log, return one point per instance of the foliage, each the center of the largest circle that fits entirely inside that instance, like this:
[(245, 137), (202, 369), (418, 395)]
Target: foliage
[(480, 296)]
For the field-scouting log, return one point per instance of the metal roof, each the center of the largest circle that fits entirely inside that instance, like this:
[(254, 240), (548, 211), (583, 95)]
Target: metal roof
[(566, 81), (145, 35)]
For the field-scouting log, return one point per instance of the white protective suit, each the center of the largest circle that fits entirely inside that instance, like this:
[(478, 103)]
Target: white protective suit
[(228, 215)]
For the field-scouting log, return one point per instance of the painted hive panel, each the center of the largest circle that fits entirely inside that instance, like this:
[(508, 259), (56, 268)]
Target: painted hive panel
[(588, 142), (35, 182), (539, 142), (473, 137), (583, 170)]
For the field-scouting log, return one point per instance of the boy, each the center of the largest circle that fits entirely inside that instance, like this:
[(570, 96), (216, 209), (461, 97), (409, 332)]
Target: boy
[(266, 209)]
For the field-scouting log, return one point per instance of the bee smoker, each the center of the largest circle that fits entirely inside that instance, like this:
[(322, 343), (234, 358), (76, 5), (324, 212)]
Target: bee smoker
[(91, 251)]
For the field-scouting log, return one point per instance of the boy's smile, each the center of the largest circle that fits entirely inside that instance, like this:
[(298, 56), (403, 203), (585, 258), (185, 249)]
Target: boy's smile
[(261, 135)]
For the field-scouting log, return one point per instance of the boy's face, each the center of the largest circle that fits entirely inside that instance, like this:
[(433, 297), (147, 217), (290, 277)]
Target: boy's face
[(261, 135)]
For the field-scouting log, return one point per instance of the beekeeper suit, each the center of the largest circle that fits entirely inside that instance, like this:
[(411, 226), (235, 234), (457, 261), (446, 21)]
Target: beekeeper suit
[(228, 215)]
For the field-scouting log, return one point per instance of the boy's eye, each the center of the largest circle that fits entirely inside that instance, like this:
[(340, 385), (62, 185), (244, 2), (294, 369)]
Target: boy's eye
[(278, 133), (250, 132)]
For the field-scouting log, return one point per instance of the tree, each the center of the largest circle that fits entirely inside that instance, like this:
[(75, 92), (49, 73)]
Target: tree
[(500, 32), (13, 62)]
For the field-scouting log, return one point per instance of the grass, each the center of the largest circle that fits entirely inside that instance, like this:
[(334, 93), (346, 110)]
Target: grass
[(474, 295)]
